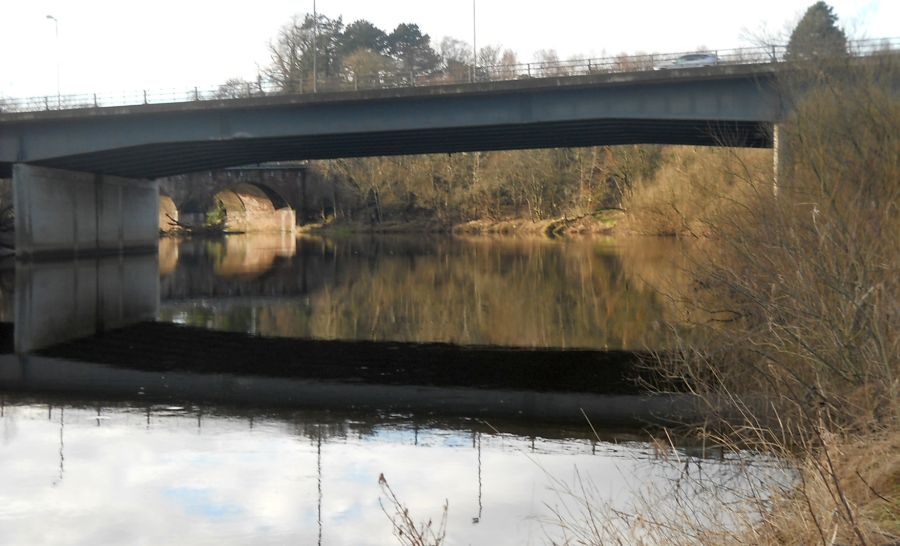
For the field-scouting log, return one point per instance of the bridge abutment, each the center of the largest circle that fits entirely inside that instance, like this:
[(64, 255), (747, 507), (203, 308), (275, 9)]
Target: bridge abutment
[(65, 213)]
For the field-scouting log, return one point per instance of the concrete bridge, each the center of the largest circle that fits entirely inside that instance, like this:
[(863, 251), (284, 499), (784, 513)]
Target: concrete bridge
[(83, 178), (715, 105), (85, 185)]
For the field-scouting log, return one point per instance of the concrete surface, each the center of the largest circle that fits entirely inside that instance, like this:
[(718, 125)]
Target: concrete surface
[(61, 213)]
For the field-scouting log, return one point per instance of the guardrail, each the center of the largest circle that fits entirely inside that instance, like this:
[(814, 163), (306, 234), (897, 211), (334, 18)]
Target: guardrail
[(464, 74)]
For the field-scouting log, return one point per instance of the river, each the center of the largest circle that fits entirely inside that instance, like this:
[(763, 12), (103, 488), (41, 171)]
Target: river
[(99, 451)]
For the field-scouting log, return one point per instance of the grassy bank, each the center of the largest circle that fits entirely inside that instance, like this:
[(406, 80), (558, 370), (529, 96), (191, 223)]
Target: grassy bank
[(793, 341), (598, 223)]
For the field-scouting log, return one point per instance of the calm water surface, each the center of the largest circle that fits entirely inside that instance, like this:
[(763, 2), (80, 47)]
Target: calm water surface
[(155, 474), (485, 292), (76, 468)]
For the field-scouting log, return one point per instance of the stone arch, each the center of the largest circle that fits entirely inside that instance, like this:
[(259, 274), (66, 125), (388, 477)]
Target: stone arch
[(168, 212), (192, 212), (253, 207), (244, 198), (278, 200)]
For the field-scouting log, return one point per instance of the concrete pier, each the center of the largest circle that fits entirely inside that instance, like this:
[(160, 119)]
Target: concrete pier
[(68, 214)]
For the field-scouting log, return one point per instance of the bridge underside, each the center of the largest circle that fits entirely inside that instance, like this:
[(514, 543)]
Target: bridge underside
[(158, 160)]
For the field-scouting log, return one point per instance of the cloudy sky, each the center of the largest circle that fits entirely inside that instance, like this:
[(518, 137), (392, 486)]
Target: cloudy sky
[(108, 46)]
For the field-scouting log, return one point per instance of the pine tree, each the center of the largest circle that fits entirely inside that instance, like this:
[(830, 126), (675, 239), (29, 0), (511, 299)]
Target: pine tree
[(817, 35)]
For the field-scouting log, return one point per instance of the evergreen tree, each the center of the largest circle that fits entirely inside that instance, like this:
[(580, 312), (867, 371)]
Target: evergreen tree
[(362, 34), (412, 50), (328, 45), (817, 35)]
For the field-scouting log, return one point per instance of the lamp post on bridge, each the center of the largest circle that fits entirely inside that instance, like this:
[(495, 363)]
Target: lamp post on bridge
[(58, 95), (315, 49), (474, 46)]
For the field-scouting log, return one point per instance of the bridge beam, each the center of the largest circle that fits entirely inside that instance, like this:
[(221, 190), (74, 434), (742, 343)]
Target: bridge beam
[(64, 214)]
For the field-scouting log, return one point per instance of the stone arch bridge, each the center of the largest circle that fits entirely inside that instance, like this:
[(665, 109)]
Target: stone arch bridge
[(260, 198)]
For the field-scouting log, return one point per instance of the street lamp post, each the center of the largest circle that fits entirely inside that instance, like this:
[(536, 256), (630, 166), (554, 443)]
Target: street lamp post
[(315, 49), (58, 96), (474, 45)]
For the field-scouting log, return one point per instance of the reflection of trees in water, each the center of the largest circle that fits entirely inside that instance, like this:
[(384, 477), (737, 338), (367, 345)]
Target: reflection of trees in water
[(526, 293), (697, 478), (493, 292)]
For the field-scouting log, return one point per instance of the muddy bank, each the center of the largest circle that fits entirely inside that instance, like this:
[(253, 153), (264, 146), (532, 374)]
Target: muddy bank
[(166, 348)]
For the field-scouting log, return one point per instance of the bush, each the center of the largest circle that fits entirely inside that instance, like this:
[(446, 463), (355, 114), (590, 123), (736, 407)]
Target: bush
[(794, 345)]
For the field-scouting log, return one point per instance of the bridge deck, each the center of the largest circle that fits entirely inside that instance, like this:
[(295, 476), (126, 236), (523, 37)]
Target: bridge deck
[(721, 105)]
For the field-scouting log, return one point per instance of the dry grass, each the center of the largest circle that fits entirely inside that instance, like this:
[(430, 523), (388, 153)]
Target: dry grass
[(691, 189), (406, 531), (847, 494), (794, 344)]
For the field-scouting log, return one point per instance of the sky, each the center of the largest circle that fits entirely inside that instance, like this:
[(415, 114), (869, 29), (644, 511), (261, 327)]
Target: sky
[(124, 46)]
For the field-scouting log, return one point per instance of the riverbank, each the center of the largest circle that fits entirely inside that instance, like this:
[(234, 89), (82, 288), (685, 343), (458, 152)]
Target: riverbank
[(601, 223)]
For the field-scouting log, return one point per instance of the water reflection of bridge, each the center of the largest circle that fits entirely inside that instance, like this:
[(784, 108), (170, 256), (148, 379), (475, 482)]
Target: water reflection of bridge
[(275, 266), (259, 268), (428, 383)]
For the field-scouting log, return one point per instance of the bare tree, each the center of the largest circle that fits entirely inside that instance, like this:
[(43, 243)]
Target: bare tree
[(366, 68), (456, 59), (290, 61), (549, 64)]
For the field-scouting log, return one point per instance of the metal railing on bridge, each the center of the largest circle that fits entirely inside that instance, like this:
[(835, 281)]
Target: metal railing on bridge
[(464, 74)]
